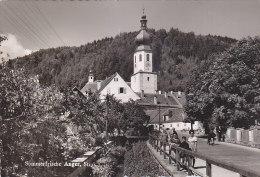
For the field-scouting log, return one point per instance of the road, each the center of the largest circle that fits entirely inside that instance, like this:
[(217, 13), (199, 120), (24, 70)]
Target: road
[(245, 157)]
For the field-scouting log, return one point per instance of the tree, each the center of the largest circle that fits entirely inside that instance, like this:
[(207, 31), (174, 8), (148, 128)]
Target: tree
[(228, 92), (30, 127), (2, 38), (175, 56)]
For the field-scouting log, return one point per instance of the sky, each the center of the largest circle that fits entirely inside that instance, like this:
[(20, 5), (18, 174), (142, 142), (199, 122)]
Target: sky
[(46, 23)]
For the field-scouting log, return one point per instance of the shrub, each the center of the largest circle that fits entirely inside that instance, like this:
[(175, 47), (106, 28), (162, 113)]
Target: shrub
[(139, 162)]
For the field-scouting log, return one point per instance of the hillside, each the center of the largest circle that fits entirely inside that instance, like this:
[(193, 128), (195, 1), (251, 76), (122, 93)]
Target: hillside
[(175, 56)]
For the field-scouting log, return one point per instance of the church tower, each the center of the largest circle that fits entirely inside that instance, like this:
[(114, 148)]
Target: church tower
[(143, 79), (90, 77)]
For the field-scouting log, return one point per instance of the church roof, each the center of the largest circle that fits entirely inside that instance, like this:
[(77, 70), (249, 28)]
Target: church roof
[(143, 37), (90, 86), (143, 48), (174, 115)]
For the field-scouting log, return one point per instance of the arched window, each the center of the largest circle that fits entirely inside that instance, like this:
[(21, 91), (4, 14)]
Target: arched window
[(135, 59), (147, 57), (140, 57)]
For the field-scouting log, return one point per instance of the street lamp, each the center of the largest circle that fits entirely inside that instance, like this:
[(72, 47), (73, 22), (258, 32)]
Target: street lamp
[(159, 118)]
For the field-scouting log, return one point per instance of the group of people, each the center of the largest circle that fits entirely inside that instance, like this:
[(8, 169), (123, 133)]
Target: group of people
[(173, 139)]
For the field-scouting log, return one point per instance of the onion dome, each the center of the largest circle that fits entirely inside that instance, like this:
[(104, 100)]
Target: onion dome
[(143, 38)]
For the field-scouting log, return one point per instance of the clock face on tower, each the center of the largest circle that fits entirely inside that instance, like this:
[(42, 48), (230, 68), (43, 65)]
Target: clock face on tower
[(147, 65)]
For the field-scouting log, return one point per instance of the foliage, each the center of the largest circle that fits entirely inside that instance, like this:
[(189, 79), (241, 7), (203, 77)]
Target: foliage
[(176, 55), (107, 165), (2, 38), (86, 113), (125, 116), (30, 128), (228, 92), (139, 162)]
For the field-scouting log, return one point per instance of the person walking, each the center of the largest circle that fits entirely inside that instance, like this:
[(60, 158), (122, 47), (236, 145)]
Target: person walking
[(193, 144), (211, 137), (219, 133)]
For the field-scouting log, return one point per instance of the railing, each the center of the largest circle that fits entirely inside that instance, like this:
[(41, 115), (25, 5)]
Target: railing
[(158, 145)]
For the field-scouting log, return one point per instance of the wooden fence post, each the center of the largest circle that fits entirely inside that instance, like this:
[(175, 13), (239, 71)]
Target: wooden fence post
[(177, 159), (189, 164), (164, 148), (208, 169), (160, 147), (170, 152)]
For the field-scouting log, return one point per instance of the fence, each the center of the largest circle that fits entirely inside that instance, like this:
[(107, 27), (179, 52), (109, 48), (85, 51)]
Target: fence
[(244, 137), (156, 144)]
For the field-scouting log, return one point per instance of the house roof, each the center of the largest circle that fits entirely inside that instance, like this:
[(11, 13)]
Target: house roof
[(161, 99), (106, 82), (75, 89), (181, 97), (128, 83), (174, 115)]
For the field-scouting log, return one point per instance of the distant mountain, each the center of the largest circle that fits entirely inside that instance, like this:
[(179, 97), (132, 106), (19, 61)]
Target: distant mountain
[(175, 55)]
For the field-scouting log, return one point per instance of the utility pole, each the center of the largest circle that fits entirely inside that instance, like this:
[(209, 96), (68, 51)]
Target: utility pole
[(107, 99)]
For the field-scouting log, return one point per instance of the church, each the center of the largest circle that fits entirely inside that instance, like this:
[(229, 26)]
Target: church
[(165, 109), (143, 80)]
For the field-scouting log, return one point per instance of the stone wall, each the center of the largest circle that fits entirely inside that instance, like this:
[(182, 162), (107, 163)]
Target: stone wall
[(244, 137)]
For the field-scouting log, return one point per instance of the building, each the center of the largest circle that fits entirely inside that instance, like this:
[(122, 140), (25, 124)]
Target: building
[(143, 80), (162, 107)]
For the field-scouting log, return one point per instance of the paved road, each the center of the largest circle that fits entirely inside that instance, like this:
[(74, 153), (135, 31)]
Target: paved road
[(245, 157)]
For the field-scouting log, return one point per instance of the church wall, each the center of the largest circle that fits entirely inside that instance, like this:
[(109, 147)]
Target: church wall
[(149, 86), (113, 88), (140, 82), (135, 84)]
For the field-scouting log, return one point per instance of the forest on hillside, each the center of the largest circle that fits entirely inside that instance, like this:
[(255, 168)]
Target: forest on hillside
[(175, 56)]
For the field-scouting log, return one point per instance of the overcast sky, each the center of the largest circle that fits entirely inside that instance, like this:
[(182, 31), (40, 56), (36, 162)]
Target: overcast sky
[(43, 24)]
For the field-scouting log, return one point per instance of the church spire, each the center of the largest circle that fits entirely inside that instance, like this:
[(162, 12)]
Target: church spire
[(143, 38), (143, 21)]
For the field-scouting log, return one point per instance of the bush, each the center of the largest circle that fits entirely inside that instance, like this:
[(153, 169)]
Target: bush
[(139, 162), (107, 165)]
